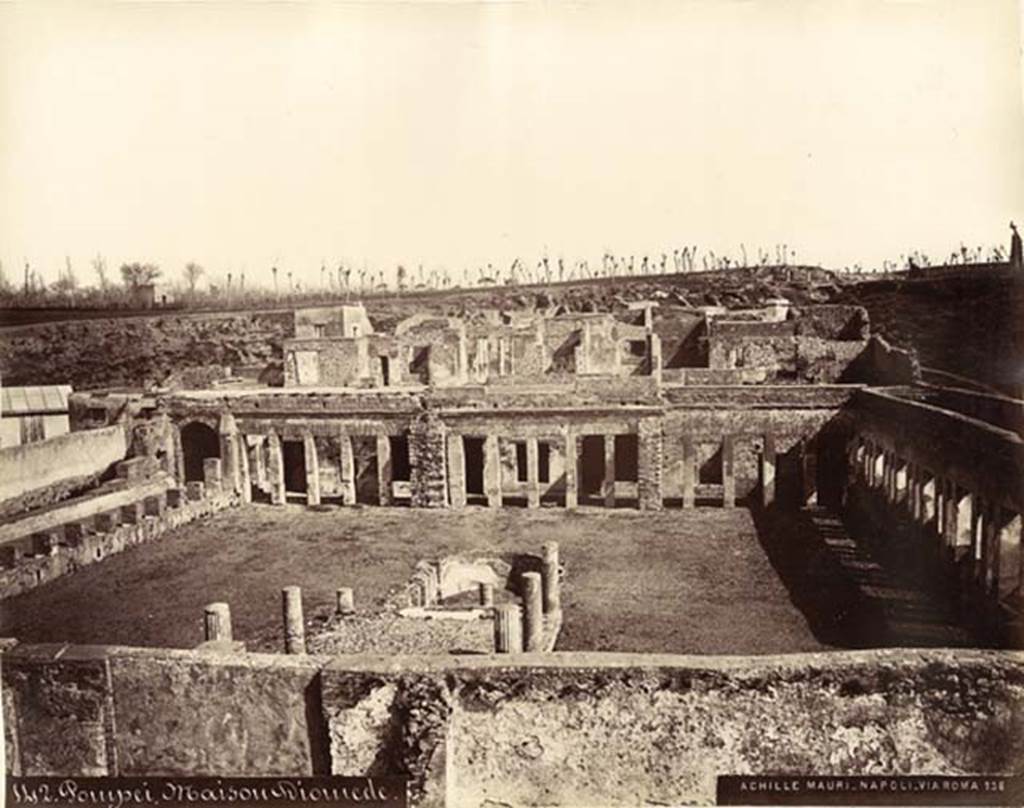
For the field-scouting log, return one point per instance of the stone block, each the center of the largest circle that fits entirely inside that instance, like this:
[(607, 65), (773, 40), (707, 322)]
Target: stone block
[(109, 520), (46, 542), (191, 711), (154, 505), (213, 474), (10, 555), (195, 490), (132, 513), (60, 711), (175, 497), (135, 468), (76, 532)]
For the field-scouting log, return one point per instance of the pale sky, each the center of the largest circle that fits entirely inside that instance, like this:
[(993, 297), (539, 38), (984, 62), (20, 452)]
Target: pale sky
[(454, 134)]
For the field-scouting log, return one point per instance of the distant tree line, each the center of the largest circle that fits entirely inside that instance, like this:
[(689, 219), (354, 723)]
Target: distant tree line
[(135, 288)]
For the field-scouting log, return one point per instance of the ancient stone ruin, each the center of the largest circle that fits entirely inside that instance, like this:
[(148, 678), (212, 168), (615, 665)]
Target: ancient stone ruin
[(648, 408)]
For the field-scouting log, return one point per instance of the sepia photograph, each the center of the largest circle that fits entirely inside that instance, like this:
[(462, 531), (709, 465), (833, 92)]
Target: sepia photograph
[(469, 404)]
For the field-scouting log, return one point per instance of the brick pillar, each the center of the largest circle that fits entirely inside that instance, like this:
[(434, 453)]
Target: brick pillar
[(179, 455), (728, 473), (768, 472), (348, 470), (312, 470), (456, 471), (609, 471), (689, 471), (532, 474), (492, 471), (384, 469), (571, 467), (427, 458), (275, 468), (650, 464)]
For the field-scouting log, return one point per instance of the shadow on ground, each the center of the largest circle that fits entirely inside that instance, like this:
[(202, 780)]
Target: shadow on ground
[(852, 597)]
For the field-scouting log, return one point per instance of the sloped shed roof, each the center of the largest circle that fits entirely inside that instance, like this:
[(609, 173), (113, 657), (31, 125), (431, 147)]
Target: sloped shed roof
[(35, 400)]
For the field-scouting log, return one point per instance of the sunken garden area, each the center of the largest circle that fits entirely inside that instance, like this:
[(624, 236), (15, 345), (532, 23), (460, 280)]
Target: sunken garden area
[(542, 554)]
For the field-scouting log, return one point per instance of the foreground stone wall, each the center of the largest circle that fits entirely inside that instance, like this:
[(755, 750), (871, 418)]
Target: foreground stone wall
[(36, 474), (551, 729)]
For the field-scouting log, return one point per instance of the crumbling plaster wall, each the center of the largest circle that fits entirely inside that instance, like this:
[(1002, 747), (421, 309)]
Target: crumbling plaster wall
[(548, 729), (36, 474)]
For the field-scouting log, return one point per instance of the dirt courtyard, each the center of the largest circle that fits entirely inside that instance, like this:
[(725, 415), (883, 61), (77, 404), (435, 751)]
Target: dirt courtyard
[(695, 581)]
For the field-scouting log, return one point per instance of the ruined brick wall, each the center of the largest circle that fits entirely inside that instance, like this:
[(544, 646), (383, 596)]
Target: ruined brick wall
[(427, 457), (567, 729), (340, 362), (707, 427), (650, 460), (882, 364)]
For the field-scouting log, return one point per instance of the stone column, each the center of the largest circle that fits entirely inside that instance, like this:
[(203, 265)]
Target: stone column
[(217, 622), (963, 521), (571, 466), (914, 492), (258, 463), (492, 471), (229, 450), (532, 473), (654, 356), (808, 473), (533, 612), (877, 467), (550, 581), (384, 469), (689, 471), (275, 468), (508, 629), (926, 497), (312, 469), (941, 509), (979, 521), (244, 475), (768, 472), (294, 624), (990, 550), (900, 481), (728, 473), (1011, 554), (609, 471), (456, 471), (179, 455), (348, 470)]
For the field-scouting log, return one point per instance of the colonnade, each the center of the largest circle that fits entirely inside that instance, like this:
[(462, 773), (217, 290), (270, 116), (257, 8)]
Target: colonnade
[(977, 533)]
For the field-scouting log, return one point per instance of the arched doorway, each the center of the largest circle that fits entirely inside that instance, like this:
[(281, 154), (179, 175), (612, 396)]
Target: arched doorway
[(198, 442)]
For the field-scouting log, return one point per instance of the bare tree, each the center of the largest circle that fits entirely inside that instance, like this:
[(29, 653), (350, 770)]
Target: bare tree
[(192, 274), (99, 266), (135, 274)]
